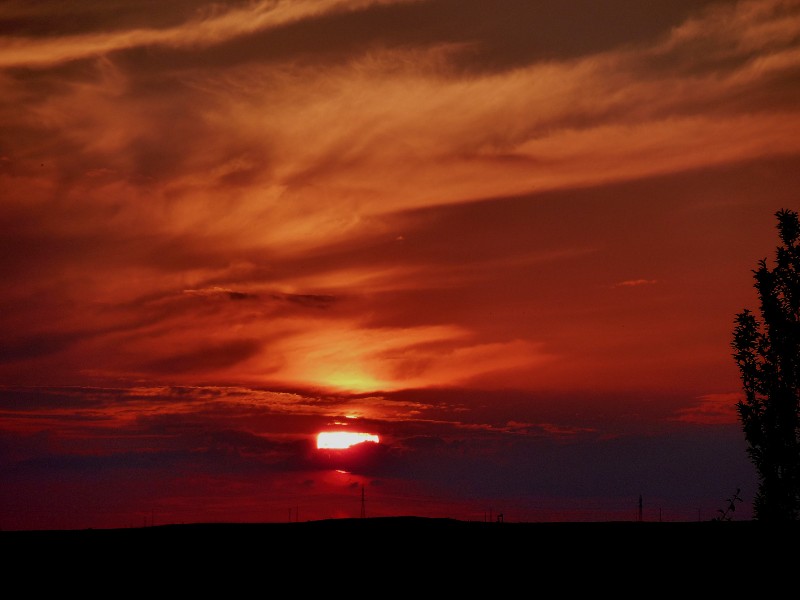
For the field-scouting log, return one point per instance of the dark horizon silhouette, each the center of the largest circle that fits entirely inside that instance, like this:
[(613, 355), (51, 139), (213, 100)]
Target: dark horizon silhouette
[(414, 551)]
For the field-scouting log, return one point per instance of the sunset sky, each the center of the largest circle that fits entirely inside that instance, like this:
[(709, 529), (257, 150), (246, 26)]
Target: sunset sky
[(509, 238)]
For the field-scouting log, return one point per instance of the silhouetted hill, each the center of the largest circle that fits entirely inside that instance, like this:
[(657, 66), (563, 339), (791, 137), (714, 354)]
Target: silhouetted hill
[(410, 526), (408, 549)]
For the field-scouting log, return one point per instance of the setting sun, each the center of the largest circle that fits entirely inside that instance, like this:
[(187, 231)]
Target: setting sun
[(343, 439)]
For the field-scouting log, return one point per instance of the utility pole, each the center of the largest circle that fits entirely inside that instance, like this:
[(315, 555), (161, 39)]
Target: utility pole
[(640, 508)]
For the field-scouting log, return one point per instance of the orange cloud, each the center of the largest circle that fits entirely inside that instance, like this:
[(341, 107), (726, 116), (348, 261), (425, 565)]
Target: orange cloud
[(273, 177), (636, 282), (322, 148), (346, 357), (211, 26), (712, 409)]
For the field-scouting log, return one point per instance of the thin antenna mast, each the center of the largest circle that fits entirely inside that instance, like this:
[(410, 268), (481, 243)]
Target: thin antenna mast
[(640, 508)]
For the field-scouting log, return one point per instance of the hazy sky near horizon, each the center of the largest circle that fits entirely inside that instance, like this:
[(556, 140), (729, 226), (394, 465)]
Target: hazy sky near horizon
[(510, 238)]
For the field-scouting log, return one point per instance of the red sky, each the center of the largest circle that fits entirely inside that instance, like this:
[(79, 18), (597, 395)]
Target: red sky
[(509, 238)]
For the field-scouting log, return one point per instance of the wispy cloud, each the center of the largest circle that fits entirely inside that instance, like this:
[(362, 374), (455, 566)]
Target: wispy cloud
[(636, 282), (216, 292), (396, 129), (712, 409), (210, 26)]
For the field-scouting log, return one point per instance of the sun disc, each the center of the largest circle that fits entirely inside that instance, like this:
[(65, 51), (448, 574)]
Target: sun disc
[(343, 439)]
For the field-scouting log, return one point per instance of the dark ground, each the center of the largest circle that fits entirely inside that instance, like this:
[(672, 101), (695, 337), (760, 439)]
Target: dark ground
[(400, 554)]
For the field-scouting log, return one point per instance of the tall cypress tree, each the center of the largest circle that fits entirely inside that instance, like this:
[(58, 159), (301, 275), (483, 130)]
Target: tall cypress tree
[(767, 352)]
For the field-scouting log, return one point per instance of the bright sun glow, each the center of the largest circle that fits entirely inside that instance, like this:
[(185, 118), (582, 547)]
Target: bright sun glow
[(343, 439)]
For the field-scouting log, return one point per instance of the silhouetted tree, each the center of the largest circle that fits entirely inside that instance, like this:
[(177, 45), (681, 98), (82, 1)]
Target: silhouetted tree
[(726, 514), (767, 351)]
